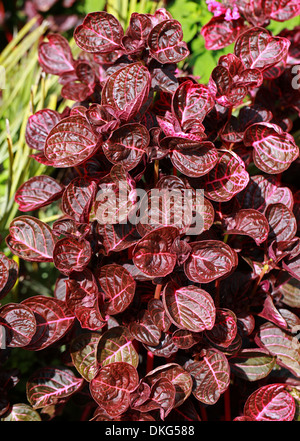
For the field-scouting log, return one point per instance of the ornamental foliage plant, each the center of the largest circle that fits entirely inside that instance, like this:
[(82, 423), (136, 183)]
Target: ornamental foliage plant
[(150, 321)]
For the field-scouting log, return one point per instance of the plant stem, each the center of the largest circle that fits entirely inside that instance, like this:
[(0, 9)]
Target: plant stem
[(150, 361), (157, 291), (227, 404), (156, 171)]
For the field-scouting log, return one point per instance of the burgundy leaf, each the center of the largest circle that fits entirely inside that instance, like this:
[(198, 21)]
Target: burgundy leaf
[(71, 254), (116, 238), (209, 260), (116, 345), (19, 324), (281, 344), (83, 350), (84, 300), (71, 142), (152, 254), (184, 339), (166, 347), (283, 10), (211, 376), (271, 402), (127, 145), (38, 192), (53, 320), (165, 42), (127, 90), (119, 287), (31, 239), (100, 32), (274, 150), (191, 101), (48, 385), (263, 191), (227, 178), (219, 33), (248, 222), (224, 330), (258, 49), (8, 274), (192, 158), (283, 225), (158, 314), (38, 127), (292, 266), (143, 329), (162, 397), (112, 386), (55, 55), (189, 307), (78, 198), (178, 376)]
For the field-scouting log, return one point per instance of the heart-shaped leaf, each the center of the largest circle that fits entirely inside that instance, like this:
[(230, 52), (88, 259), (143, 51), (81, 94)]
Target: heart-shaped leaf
[(31, 239), (100, 33), (224, 330), (22, 412), (38, 127), (213, 370), (189, 307), (274, 150), (78, 198), (71, 142), (191, 101), (271, 402), (248, 222), (19, 323), (219, 33), (152, 254), (165, 42), (258, 49), (252, 364), (53, 321), (263, 191), (209, 260), (38, 192), (127, 90), (143, 329), (282, 345), (71, 254), (282, 222), (227, 178), (118, 237), (48, 385), (115, 345), (84, 300), (178, 376), (55, 55), (127, 145), (158, 314), (112, 386), (162, 397), (119, 287), (83, 350)]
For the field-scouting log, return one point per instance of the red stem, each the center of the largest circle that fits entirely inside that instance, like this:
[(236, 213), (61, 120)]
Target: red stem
[(227, 404), (157, 291), (203, 413), (150, 361)]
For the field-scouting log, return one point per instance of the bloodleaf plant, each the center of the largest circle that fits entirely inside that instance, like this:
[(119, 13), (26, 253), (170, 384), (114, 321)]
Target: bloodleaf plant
[(159, 320)]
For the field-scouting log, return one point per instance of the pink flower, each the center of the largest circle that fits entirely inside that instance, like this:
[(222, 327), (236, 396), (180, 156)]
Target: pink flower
[(218, 9)]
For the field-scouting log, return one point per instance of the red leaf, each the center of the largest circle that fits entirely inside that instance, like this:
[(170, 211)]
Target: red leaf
[(38, 191), (270, 403), (31, 239), (19, 323), (71, 142), (100, 32), (71, 254), (38, 127), (189, 307), (55, 55)]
